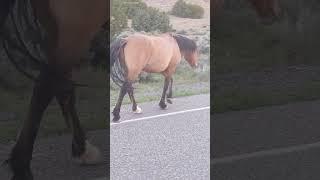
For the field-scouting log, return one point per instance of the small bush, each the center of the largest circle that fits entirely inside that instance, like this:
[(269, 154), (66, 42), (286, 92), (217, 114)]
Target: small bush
[(184, 10), (132, 7), (151, 19)]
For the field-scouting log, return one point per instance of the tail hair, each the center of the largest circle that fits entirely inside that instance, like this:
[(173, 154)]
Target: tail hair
[(117, 67)]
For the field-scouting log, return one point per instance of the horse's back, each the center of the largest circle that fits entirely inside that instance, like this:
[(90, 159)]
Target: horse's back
[(148, 53)]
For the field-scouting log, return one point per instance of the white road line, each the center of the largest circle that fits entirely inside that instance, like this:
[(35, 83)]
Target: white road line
[(160, 115), (259, 154)]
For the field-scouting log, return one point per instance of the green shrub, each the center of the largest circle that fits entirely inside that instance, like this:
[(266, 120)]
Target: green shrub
[(184, 10), (151, 19), (132, 7), (119, 20)]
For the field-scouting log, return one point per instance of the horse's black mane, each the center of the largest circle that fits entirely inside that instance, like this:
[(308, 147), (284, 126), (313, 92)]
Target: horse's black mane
[(184, 43)]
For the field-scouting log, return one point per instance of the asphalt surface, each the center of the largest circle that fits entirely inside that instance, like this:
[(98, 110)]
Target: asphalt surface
[(52, 159), (174, 145), (278, 143)]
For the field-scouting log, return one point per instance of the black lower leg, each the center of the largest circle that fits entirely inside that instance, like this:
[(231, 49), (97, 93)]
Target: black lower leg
[(169, 95), (116, 110), (162, 102), (131, 96), (21, 153), (66, 99)]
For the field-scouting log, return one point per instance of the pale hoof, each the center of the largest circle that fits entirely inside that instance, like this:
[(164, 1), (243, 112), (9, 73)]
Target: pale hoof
[(91, 156), (138, 110)]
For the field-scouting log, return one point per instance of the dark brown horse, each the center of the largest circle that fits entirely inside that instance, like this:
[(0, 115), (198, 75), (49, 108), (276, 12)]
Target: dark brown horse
[(62, 32), (267, 10), (153, 54)]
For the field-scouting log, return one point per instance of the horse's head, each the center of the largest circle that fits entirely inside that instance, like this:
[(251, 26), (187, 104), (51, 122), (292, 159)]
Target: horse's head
[(192, 58), (268, 10), (188, 49)]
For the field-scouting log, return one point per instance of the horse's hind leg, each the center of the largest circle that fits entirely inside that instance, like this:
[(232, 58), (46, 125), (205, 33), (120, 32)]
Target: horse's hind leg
[(82, 150), (162, 102), (135, 108), (116, 110), (21, 154), (169, 95)]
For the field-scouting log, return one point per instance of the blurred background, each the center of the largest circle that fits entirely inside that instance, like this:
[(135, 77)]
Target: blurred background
[(256, 65)]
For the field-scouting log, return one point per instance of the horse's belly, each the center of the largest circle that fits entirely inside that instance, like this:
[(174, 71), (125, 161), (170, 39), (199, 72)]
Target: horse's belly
[(157, 65), (150, 69)]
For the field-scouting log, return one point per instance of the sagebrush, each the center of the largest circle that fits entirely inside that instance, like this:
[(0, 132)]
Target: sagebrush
[(185, 10), (151, 19)]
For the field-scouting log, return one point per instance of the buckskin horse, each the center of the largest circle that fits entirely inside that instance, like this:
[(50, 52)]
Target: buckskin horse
[(153, 54), (52, 37)]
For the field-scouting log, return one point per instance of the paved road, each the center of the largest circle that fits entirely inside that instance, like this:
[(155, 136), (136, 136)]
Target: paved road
[(278, 143), (171, 145), (52, 159), (174, 145)]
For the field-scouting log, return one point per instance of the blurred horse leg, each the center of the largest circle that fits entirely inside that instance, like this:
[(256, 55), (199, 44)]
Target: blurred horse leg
[(169, 95), (162, 102), (116, 110), (82, 150), (135, 108), (21, 154)]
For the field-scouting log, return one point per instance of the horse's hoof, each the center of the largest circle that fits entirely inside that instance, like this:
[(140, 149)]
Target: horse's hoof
[(138, 110), (169, 101), (116, 118), (91, 156), (163, 105)]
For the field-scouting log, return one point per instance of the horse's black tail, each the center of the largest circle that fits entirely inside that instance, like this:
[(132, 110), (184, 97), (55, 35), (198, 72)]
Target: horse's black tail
[(117, 64)]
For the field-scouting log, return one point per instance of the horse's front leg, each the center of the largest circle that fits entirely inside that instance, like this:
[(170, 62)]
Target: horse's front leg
[(82, 151), (162, 102), (21, 154), (116, 110), (135, 108), (169, 95)]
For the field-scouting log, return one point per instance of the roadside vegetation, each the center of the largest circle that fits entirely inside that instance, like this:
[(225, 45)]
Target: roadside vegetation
[(267, 65)]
